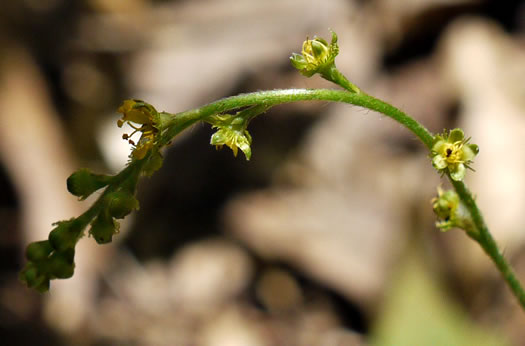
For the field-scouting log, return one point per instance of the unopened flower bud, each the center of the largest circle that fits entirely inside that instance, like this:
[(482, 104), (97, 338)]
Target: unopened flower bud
[(83, 183), (62, 264), (103, 228), (65, 235), (316, 56), (38, 251), (33, 278), (121, 203)]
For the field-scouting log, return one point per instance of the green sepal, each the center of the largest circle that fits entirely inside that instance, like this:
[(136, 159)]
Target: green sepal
[(456, 135), (298, 61), (319, 47), (153, 164), (474, 148)]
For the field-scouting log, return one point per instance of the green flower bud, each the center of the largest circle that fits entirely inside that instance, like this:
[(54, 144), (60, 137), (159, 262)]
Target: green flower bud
[(298, 61), (83, 183), (38, 251), (317, 56), (103, 228), (451, 212), (62, 264), (121, 203), (29, 275), (57, 265), (65, 235), (34, 278)]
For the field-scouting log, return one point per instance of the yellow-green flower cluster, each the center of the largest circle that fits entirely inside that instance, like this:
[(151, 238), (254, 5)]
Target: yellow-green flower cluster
[(316, 56), (451, 152)]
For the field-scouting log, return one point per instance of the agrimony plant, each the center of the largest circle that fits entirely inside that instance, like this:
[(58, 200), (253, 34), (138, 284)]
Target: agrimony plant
[(450, 153)]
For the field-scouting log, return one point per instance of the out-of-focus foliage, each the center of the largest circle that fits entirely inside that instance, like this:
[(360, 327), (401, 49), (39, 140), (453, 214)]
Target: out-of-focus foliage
[(418, 311)]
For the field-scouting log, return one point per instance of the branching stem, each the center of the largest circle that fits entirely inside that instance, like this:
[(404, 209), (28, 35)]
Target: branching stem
[(183, 120)]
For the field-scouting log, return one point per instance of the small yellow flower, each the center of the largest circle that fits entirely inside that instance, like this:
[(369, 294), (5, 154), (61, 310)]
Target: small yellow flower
[(136, 111), (234, 139), (316, 56), (144, 114), (452, 152), (232, 131)]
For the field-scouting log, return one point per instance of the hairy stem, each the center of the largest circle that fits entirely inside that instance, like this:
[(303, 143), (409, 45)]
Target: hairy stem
[(488, 244), (275, 97), (332, 74), (267, 99)]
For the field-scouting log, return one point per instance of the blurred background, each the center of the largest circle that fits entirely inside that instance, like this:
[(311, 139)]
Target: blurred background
[(326, 237)]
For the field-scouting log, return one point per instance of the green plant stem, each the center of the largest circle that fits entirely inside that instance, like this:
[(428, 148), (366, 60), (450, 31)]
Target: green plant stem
[(183, 120), (487, 242), (131, 171), (334, 75)]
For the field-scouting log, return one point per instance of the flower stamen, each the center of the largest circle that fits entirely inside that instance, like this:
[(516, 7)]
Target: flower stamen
[(139, 112)]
